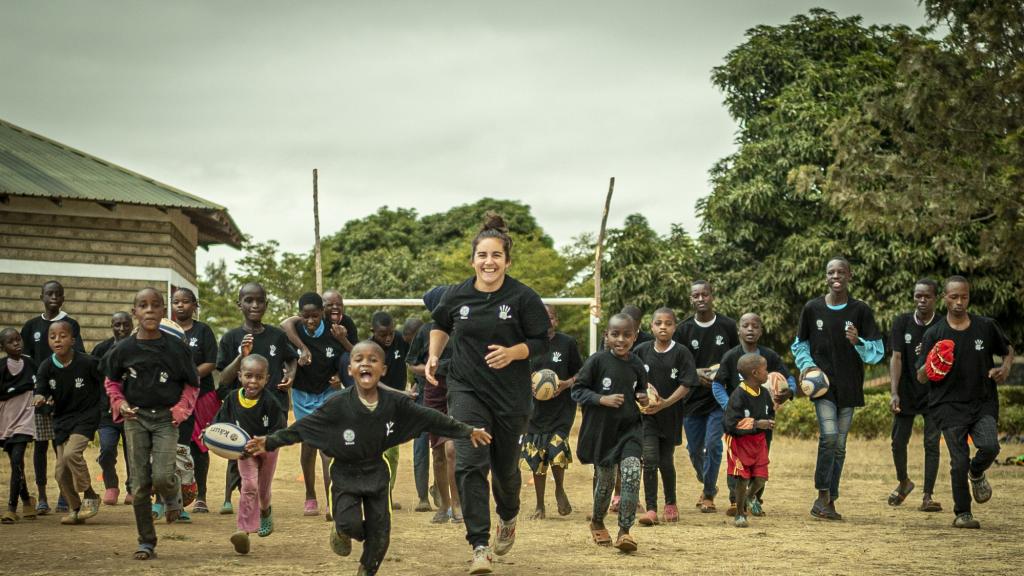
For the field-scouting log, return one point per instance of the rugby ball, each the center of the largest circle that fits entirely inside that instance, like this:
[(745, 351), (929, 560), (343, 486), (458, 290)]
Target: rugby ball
[(225, 440), (939, 361), (710, 372), (171, 327), (814, 383), (776, 383), (545, 383)]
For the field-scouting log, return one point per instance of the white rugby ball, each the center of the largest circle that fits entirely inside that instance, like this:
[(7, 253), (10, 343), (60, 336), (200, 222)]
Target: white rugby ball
[(225, 440)]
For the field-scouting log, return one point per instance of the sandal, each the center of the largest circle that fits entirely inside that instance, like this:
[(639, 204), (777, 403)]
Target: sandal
[(145, 552), (929, 505), (898, 495), (28, 511), (601, 536), (9, 517), (707, 506), (625, 543)]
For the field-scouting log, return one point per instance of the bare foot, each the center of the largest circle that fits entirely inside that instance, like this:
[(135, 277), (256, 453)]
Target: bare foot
[(538, 514), (564, 508)]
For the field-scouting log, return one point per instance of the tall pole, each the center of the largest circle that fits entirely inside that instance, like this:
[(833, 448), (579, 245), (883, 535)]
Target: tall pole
[(316, 233), (595, 311)]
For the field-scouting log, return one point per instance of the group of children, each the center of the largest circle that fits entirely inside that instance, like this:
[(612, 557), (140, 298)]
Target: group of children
[(151, 386)]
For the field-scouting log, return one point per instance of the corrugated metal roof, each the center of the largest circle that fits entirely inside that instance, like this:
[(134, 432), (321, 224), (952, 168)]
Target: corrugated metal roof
[(33, 165)]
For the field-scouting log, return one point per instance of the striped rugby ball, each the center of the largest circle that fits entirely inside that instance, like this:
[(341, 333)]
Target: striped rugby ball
[(814, 383), (225, 440)]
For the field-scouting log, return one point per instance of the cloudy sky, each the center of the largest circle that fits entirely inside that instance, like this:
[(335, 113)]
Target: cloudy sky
[(417, 104)]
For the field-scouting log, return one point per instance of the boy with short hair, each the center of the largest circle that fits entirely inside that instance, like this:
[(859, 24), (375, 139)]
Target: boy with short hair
[(747, 419), (355, 427), (70, 381), (110, 433)]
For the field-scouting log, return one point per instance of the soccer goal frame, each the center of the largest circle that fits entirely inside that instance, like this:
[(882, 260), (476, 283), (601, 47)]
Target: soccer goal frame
[(590, 303)]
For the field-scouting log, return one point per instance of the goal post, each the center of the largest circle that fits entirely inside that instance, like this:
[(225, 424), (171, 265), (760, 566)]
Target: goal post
[(590, 303)]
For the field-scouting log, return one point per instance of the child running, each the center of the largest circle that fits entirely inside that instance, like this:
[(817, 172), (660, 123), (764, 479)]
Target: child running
[(152, 384), (259, 415), (71, 381), (111, 433), (546, 444), (355, 427), (17, 421), (671, 371), (610, 389), (746, 421)]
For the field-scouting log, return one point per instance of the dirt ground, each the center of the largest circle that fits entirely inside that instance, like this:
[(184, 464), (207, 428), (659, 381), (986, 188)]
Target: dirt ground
[(873, 538)]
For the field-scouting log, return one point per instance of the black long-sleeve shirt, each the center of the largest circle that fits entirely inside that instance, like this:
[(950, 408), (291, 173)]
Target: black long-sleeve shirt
[(346, 430), (75, 391), (514, 314)]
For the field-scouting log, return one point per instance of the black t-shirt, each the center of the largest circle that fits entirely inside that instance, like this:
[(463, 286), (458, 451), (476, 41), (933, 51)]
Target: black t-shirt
[(905, 337), (729, 374), (348, 431), (707, 345), (203, 344), (325, 361), (35, 336), (557, 414), (25, 381), (514, 314), (419, 353), (265, 417), (272, 344), (75, 391), (824, 329), (667, 371), (744, 405), (966, 393), (394, 359), (153, 373), (608, 435)]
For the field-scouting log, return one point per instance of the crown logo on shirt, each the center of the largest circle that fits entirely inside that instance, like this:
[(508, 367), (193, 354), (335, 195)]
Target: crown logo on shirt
[(979, 345), (350, 437), (163, 377), (556, 356), (907, 338), (819, 323), (606, 384), (79, 382), (37, 336), (694, 344), (504, 312), (464, 313)]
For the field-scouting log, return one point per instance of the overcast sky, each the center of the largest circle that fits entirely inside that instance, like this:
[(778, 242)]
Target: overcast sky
[(417, 104)]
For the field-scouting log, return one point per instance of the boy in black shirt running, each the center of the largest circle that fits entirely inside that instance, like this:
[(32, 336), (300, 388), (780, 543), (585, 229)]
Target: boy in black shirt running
[(747, 420), (964, 402), (355, 427)]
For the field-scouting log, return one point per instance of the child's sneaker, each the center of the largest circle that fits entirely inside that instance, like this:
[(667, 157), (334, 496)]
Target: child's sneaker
[(72, 518), (441, 516), (648, 518), (266, 524), (481, 561), (158, 510), (341, 544), (311, 508), (671, 513), (110, 496), (184, 517), (90, 508), (754, 505), (62, 505), (741, 521), (506, 536), (226, 508), (980, 488), (240, 540), (42, 508)]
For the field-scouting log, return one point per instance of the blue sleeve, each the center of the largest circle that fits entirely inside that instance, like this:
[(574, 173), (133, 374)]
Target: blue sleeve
[(718, 389), (802, 354), (792, 385), (870, 351)]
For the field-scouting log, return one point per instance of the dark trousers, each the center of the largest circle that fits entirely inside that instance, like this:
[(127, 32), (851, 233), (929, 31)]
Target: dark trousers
[(202, 465), (986, 439), (109, 438), (232, 480), (15, 448), (39, 460), (472, 465), (658, 457), (421, 456), (902, 429), (362, 509), (152, 442)]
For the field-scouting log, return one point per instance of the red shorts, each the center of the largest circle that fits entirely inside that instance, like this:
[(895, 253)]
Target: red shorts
[(747, 456)]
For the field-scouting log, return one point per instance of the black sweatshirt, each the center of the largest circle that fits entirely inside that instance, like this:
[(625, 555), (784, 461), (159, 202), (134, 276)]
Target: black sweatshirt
[(707, 345), (558, 413), (667, 371), (346, 430), (514, 314), (36, 339), (75, 391), (265, 417), (25, 381), (153, 373), (607, 435)]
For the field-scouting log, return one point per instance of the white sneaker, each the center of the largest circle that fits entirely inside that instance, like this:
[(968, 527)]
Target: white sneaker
[(481, 561), (506, 537)]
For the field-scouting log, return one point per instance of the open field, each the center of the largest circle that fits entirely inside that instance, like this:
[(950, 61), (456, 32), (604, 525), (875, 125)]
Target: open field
[(873, 539)]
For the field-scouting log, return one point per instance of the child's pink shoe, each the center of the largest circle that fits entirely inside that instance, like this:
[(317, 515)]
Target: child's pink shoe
[(615, 504), (311, 508), (110, 496), (648, 518), (671, 513)]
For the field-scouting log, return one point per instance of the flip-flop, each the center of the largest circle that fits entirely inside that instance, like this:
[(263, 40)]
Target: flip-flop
[(897, 496), (930, 506), (625, 543), (708, 506), (9, 518), (601, 536)]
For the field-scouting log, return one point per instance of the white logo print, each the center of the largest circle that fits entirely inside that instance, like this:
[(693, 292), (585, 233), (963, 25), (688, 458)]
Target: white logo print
[(847, 325), (53, 384), (273, 350), (503, 311), (398, 354), (719, 340), (556, 357), (266, 421), (464, 312), (37, 336), (647, 368), (132, 373), (675, 372), (746, 413), (350, 437), (606, 384), (329, 352), (389, 429), (163, 377), (694, 344), (194, 342), (979, 344), (819, 324), (907, 338), (79, 382)]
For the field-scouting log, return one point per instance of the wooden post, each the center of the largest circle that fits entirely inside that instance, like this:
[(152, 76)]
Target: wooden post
[(316, 233), (595, 312)]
